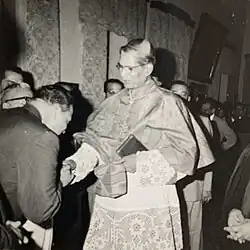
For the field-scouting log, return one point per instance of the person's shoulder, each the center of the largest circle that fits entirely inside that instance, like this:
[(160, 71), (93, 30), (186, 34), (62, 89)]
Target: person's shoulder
[(29, 123), (218, 119), (169, 97)]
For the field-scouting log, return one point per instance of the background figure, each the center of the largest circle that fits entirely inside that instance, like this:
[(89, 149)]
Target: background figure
[(112, 86), (135, 191), (226, 150), (241, 124), (14, 92), (29, 148), (196, 189), (236, 207), (225, 135), (181, 89), (238, 112), (223, 111)]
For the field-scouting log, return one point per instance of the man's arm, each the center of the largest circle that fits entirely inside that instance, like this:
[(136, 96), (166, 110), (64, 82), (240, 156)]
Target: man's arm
[(39, 191), (228, 135), (175, 153)]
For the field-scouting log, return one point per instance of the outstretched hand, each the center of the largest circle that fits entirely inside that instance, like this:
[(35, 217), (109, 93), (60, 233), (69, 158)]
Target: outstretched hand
[(67, 172)]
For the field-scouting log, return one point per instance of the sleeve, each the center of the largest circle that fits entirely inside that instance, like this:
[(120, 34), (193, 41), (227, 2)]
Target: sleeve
[(111, 181), (208, 181), (229, 137), (39, 191), (176, 154), (179, 148), (153, 170), (8, 240), (85, 159)]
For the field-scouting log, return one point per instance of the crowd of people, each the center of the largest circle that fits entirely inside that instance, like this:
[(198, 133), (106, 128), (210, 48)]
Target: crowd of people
[(164, 167)]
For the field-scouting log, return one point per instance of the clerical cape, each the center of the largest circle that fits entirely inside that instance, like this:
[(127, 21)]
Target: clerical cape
[(141, 210)]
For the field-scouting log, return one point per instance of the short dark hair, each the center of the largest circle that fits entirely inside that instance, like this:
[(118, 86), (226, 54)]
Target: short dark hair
[(55, 94), (112, 80), (15, 69), (180, 82), (213, 103)]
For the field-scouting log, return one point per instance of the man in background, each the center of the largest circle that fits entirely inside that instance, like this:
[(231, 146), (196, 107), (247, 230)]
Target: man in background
[(197, 189), (236, 207), (112, 86), (14, 92), (225, 147), (29, 148), (227, 137)]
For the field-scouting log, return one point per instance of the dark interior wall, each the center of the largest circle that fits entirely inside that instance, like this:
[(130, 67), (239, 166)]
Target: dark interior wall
[(232, 14), (246, 77), (1, 40), (11, 48)]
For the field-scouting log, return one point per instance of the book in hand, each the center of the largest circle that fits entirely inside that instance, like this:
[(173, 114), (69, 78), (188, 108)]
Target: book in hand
[(130, 146)]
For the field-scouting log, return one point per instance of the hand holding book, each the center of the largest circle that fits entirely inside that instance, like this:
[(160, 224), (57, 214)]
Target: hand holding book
[(129, 163), (128, 151), (130, 146)]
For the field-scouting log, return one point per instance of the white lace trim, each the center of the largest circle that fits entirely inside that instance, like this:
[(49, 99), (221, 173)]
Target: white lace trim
[(158, 229)]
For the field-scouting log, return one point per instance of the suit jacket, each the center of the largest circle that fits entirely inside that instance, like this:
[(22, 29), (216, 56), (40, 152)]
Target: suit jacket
[(237, 196), (196, 185), (227, 136), (8, 239), (28, 165)]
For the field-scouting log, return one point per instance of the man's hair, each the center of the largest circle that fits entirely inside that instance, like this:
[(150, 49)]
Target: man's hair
[(144, 48), (112, 80), (55, 94), (213, 103), (179, 82), (15, 69)]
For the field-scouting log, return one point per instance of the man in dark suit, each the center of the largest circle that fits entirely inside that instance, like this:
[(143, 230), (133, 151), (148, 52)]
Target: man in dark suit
[(236, 207), (29, 148)]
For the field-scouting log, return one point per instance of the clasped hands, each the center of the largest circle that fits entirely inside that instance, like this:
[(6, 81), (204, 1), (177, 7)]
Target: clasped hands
[(67, 172), (69, 166), (238, 226)]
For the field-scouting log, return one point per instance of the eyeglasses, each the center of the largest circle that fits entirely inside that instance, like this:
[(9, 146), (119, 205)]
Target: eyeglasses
[(11, 103), (112, 91), (129, 68), (18, 99)]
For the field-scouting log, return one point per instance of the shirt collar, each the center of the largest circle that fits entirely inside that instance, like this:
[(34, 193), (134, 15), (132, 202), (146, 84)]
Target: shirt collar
[(34, 111), (142, 91), (212, 117)]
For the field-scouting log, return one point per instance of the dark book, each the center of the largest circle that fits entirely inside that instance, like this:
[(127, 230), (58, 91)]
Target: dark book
[(130, 146)]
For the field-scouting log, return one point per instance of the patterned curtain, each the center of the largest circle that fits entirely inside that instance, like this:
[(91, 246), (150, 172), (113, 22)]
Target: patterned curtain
[(173, 37), (179, 43), (96, 17), (42, 41)]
